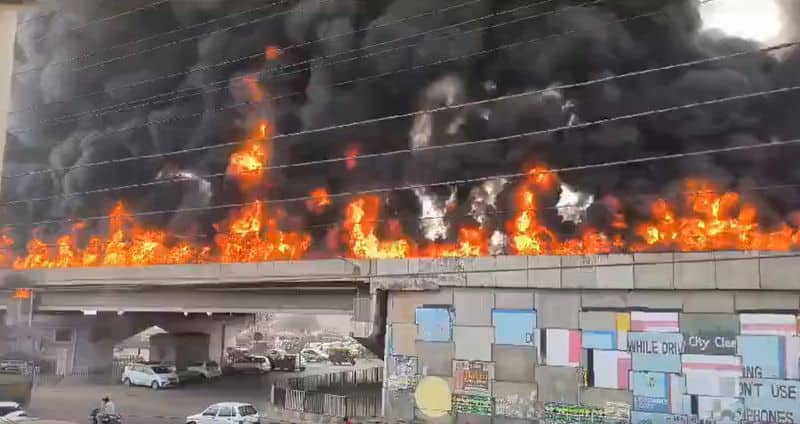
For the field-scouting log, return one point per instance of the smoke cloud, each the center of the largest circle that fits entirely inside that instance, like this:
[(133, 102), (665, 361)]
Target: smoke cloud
[(86, 72)]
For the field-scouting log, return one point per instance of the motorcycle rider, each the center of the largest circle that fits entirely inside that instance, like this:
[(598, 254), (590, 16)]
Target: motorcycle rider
[(107, 409)]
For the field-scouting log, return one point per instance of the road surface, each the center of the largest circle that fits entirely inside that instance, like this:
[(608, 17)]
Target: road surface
[(141, 405)]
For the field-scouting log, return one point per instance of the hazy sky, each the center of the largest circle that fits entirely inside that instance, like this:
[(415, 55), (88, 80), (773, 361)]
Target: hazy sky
[(759, 20)]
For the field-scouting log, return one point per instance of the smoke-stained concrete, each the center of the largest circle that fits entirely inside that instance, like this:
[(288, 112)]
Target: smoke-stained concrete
[(51, 83)]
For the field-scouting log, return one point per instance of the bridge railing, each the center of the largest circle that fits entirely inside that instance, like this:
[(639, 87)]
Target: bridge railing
[(333, 394)]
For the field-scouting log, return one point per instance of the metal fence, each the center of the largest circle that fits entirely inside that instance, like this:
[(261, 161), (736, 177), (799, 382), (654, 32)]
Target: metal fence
[(337, 380), (327, 395)]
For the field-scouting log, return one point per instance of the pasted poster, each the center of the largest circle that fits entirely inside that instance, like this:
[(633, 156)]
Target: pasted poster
[(473, 405), (473, 377), (770, 400), (402, 372)]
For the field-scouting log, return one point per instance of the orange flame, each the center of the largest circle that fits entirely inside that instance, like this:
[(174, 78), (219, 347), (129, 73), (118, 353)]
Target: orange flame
[(707, 219), (361, 217), (319, 201), (272, 52), (715, 222), (471, 242), (248, 164), (351, 155)]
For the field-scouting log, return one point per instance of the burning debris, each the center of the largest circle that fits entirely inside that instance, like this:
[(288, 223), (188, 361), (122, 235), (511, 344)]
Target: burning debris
[(315, 66)]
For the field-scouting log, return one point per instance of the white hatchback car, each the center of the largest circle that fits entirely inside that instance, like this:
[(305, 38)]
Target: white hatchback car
[(12, 412), (226, 413), (207, 370), (154, 376)]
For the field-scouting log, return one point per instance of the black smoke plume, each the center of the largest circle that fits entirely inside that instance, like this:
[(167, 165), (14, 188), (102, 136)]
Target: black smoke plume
[(73, 74)]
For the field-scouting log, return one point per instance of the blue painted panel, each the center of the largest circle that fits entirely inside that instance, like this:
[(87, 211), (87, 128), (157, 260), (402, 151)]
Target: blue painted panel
[(655, 351), (763, 356), (771, 400), (649, 404), (650, 384), (434, 324), (514, 327), (604, 340), (639, 417)]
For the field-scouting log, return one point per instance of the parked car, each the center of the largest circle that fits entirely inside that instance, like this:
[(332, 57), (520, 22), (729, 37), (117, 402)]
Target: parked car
[(12, 412), (226, 413), (154, 376), (313, 355), (252, 363), (207, 370), (340, 356)]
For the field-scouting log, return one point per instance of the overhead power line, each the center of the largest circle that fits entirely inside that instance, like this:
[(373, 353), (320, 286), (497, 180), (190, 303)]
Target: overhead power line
[(456, 182), (260, 54), (417, 113), (92, 53), (413, 68), (149, 100), (107, 18)]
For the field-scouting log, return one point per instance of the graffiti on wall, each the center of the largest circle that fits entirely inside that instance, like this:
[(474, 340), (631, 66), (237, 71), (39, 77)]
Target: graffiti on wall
[(472, 405), (673, 368), (577, 414), (516, 405), (473, 377), (403, 372)]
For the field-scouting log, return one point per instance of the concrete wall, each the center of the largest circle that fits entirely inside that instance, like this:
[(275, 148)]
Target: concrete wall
[(481, 354)]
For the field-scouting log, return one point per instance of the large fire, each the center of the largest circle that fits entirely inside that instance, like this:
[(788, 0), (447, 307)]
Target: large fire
[(706, 219)]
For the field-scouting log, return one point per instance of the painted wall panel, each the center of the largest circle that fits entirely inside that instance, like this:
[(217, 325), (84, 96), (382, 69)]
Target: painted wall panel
[(610, 369), (561, 347), (771, 400), (763, 356), (774, 324), (710, 334), (663, 322), (514, 327), (600, 339), (712, 375), (655, 351), (434, 324), (720, 409)]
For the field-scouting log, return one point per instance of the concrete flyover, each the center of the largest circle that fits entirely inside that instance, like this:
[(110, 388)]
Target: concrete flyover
[(541, 329), (304, 287)]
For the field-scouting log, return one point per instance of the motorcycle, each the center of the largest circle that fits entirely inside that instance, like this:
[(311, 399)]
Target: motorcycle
[(104, 419)]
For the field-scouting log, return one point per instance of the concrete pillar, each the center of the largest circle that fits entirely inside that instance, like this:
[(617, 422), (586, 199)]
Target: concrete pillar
[(8, 29)]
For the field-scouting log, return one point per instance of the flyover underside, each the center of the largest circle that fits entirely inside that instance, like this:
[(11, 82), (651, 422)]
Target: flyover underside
[(228, 300)]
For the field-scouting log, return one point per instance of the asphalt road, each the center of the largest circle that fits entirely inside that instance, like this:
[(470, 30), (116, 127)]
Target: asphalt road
[(73, 401)]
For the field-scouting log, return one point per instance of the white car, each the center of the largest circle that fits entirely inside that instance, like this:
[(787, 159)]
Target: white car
[(207, 370), (313, 355), (12, 412), (252, 363), (154, 376), (226, 413)]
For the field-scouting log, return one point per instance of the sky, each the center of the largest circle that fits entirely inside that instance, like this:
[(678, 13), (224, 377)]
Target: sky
[(758, 20)]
